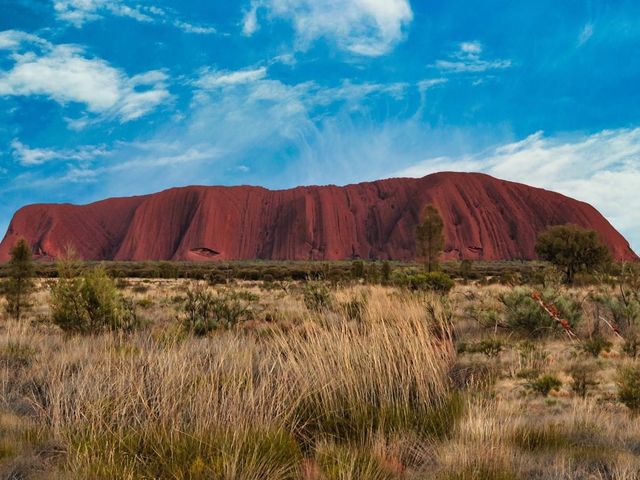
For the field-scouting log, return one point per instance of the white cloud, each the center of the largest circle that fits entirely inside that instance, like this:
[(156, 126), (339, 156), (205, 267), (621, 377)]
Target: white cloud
[(65, 74), (250, 21), (216, 79), (602, 169), (259, 87), (364, 27), (467, 58), (14, 39), (27, 156), (424, 85), (474, 47), (190, 28), (79, 12)]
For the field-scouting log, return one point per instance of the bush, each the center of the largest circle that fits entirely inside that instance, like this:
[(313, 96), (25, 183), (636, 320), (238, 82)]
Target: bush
[(316, 296), (490, 347), (595, 345), (206, 311), (582, 378), (625, 310), (544, 384), (90, 303), (417, 281), (629, 387), (357, 269), (524, 315)]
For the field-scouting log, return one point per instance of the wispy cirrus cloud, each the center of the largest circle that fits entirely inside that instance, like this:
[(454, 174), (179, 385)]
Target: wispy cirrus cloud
[(602, 169), (468, 58), (28, 156), (214, 79), (67, 74), (363, 27), (79, 12)]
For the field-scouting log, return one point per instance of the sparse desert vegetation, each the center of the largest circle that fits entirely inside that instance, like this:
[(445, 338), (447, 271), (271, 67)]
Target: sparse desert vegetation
[(365, 377)]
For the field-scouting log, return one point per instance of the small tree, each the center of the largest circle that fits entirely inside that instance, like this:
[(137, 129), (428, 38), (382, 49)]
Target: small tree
[(572, 249), (430, 237), (19, 284)]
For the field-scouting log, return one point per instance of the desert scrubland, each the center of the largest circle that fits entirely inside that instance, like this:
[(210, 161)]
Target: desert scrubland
[(327, 380)]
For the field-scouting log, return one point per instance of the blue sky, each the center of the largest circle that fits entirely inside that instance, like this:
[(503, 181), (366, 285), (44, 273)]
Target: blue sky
[(106, 98)]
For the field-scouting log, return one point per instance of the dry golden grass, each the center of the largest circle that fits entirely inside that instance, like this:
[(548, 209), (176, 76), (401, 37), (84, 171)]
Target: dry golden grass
[(303, 394), (248, 403)]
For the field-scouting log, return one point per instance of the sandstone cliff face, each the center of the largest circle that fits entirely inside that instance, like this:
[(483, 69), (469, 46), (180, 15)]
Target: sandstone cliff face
[(485, 218)]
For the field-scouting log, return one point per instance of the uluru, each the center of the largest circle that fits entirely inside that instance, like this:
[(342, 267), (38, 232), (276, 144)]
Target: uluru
[(485, 218)]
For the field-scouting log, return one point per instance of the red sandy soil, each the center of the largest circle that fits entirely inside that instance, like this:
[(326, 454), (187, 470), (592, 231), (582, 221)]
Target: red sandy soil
[(485, 218)]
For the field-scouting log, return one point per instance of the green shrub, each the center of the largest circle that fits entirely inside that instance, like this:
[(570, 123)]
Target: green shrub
[(544, 384), (624, 308), (491, 347), (424, 281), (357, 269), (595, 345), (524, 315), (629, 387), (90, 303), (206, 311), (317, 296), (583, 378)]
